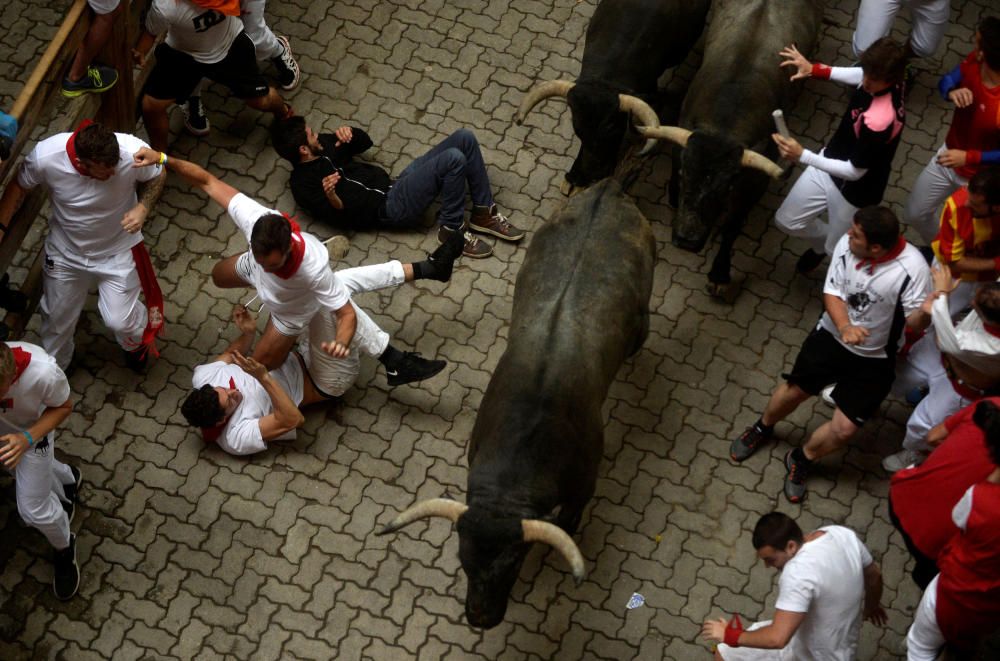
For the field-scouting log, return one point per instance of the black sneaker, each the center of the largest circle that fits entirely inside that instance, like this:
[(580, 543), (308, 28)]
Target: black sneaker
[(795, 480), (195, 120), (412, 367), (809, 261), (137, 360), (97, 79), (443, 258), (288, 68), (72, 491), (66, 573), (747, 443)]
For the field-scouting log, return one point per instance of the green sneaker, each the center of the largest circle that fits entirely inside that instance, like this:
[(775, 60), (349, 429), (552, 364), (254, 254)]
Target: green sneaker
[(98, 79)]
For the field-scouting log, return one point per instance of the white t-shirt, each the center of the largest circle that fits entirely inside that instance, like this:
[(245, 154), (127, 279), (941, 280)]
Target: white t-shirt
[(87, 213), (825, 580), (241, 434), (294, 301), (41, 385), (204, 34), (871, 295)]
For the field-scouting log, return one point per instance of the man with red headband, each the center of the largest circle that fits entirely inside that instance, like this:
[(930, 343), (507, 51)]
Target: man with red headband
[(99, 205), (290, 269), (205, 39), (876, 285)]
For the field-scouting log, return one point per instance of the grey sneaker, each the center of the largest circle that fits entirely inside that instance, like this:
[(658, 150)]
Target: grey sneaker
[(795, 480), (902, 459), (747, 443)]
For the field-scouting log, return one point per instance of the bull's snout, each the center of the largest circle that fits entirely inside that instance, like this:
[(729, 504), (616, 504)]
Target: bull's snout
[(692, 244), (485, 618)]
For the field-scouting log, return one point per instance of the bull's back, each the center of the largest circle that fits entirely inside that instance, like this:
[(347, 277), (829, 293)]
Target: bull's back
[(632, 42), (740, 68)]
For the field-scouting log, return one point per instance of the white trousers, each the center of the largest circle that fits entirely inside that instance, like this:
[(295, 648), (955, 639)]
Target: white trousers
[(799, 215), (926, 199), (335, 375), (923, 368), (924, 640), (67, 280), (929, 18), (39, 479)]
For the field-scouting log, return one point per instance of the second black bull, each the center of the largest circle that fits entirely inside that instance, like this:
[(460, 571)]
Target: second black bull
[(580, 308), (726, 123)]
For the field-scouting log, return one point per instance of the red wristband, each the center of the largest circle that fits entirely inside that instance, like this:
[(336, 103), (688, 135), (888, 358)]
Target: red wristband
[(821, 71), (732, 637), (973, 157)]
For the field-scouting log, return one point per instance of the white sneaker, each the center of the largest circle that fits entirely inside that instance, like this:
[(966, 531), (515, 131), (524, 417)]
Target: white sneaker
[(827, 395), (902, 459)]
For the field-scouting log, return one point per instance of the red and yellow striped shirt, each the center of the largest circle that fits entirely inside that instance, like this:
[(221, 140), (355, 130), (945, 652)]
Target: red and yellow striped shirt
[(963, 235)]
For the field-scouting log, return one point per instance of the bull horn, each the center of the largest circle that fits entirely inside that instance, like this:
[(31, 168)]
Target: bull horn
[(442, 507), (539, 93), (752, 159), (551, 534), (645, 115), (672, 133)]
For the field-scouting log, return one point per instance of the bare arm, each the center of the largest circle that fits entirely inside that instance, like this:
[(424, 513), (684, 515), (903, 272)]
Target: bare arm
[(192, 173), (973, 265), (17, 444), (873, 595), (247, 324), (11, 201), (347, 323), (147, 192), (286, 415)]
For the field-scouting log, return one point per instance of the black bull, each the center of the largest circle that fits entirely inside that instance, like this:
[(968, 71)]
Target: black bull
[(580, 309), (629, 44), (726, 122)]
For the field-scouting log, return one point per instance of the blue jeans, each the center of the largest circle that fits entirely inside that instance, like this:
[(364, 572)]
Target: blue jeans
[(445, 169)]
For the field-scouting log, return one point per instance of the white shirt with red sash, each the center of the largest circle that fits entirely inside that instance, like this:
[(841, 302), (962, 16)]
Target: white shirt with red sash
[(38, 384), (294, 297), (240, 433)]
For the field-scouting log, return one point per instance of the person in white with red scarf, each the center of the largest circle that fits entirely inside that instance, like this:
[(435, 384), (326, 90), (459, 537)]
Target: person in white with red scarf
[(99, 204), (34, 400)]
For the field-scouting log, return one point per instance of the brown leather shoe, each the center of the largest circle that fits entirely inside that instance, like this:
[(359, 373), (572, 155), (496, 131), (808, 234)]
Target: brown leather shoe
[(491, 221), (474, 247)]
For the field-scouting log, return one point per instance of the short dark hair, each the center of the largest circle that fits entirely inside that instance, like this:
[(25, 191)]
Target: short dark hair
[(986, 182), (987, 418), (271, 232), (776, 530), (880, 225), (202, 407), (287, 135), (885, 61), (989, 41), (99, 144), (987, 300)]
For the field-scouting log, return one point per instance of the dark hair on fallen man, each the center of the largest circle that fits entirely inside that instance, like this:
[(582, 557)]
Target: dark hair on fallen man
[(201, 408), (287, 135), (776, 530)]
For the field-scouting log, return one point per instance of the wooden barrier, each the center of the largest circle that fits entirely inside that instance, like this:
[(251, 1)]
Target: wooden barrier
[(41, 98)]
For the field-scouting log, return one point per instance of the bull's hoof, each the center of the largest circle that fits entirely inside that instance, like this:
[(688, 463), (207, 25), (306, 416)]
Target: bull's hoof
[(566, 188)]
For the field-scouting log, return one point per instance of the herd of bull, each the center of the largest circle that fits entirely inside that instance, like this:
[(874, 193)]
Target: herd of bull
[(581, 303)]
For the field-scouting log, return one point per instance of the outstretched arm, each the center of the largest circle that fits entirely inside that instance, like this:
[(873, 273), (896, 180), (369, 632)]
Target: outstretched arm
[(192, 173), (247, 323)]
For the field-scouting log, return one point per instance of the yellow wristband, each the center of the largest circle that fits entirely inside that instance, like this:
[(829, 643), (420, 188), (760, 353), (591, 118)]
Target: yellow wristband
[(163, 158)]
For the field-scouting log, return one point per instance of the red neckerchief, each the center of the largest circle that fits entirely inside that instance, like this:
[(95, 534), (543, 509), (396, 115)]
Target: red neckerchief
[(889, 256), (227, 7), (71, 147), (212, 434), (21, 360), (992, 329), (298, 251)]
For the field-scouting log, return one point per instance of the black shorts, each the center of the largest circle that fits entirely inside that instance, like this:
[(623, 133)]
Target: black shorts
[(862, 383), (175, 74)]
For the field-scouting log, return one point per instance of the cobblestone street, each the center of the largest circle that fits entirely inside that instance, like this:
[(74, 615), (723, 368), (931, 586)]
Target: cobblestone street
[(187, 552)]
